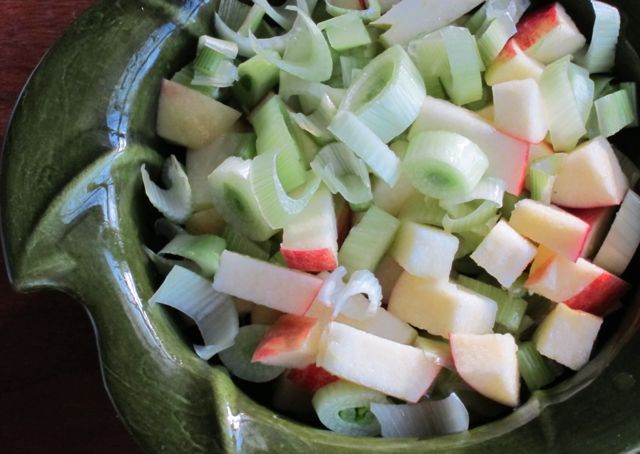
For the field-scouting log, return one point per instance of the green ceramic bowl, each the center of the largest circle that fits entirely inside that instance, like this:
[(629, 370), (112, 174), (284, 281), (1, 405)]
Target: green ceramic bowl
[(74, 218)]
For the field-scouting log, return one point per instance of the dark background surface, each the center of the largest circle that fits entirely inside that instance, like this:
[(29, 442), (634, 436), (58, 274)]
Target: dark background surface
[(51, 394)]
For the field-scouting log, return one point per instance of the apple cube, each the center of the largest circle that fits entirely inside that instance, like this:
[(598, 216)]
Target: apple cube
[(539, 150), (623, 239), (580, 285), (279, 288), (590, 177), (310, 239), (488, 363), (425, 251), (382, 323), (504, 253), (487, 113), (599, 220), (189, 118), (388, 272), (507, 155), (291, 342), (394, 369), (441, 307), (311, 378), (512, 64), (567, 335), (518, 109), (550, 226), (548, 34)]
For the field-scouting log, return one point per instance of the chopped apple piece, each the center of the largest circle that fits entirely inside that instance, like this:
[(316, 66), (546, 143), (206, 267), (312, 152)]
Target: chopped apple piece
[(590, 177), (310, 239), (291, 342), (286, 290), (518, 109), (504, 253), (550, 226), (394, 369), (507, 155), (489, 364), (425, 251), (512, 64), (599, 220), (539, 150), (311, 378), (190, 118), (441, 307), (567, 335), (388, 272), (548, 34), (580, 285)]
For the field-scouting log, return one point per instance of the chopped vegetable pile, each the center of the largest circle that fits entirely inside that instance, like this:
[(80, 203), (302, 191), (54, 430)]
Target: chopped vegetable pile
[(397, 210)]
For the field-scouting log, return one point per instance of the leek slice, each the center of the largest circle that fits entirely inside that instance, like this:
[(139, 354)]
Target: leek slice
[(614, 112), (422, 211), (175, 202), (443, 164), (281, 15), (343, 407), (235, 200), (245, 43), (388, 94), (203, 250), (274, 131), (533, 367), (214, 313), (463, 84), (317, 122), (366, 145), (563, 110), (367, 15), (228, 49), (277, 207), (252, 20), (343, 172), (237, 359), (477, 217), (494, 36), (310, 93), (488, 188), (307, 54), (424, 419), (345, 31), (237, 242), (601, 54), (367, 241), (256, 77)]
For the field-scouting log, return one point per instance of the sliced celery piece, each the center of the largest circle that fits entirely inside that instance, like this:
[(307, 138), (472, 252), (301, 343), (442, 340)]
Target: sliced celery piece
[(252, 20), (367, 241), (343, 172), (256, 77), (533, 367), (175, 202), (344, 408), (510, 309), (237, 242), (203, 250), (614, 112), (464, 82), (237, 359), (235, 200), (494, 35), (274, 132), (345, 31), (306, 55), (443, 164), (387, 96)]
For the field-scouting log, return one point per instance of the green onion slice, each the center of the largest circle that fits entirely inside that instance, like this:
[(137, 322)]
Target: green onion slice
[(175, 202), (444, 164), (387, 95), (601, 54), (306, 55), (344, 407), (351, 131), (203, 250), (343, 172), (424, 419), (237, 359), (213, 312), (278, 207)]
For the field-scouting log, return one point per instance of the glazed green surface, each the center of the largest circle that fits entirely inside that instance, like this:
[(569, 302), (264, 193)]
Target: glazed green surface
[(73, 218)]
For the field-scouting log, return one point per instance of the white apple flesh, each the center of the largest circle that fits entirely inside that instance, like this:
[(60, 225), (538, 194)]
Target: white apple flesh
[(518, 109), (512, 64)]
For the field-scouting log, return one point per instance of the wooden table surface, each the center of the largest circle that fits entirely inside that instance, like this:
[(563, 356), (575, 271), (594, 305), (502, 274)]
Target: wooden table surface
[(51, 394)]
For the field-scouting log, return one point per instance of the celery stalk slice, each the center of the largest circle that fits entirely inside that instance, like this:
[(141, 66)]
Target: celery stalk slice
[(214, 313), (614, 112), (533, 367), (174, 203), (463, 84), (307, 54), (203, 250)]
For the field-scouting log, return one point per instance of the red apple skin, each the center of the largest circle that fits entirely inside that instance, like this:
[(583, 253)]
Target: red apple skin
[(599, 220), (507, 52), (535, 25), (312, 260), (288, 333), (598, 297), (311, 378)]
